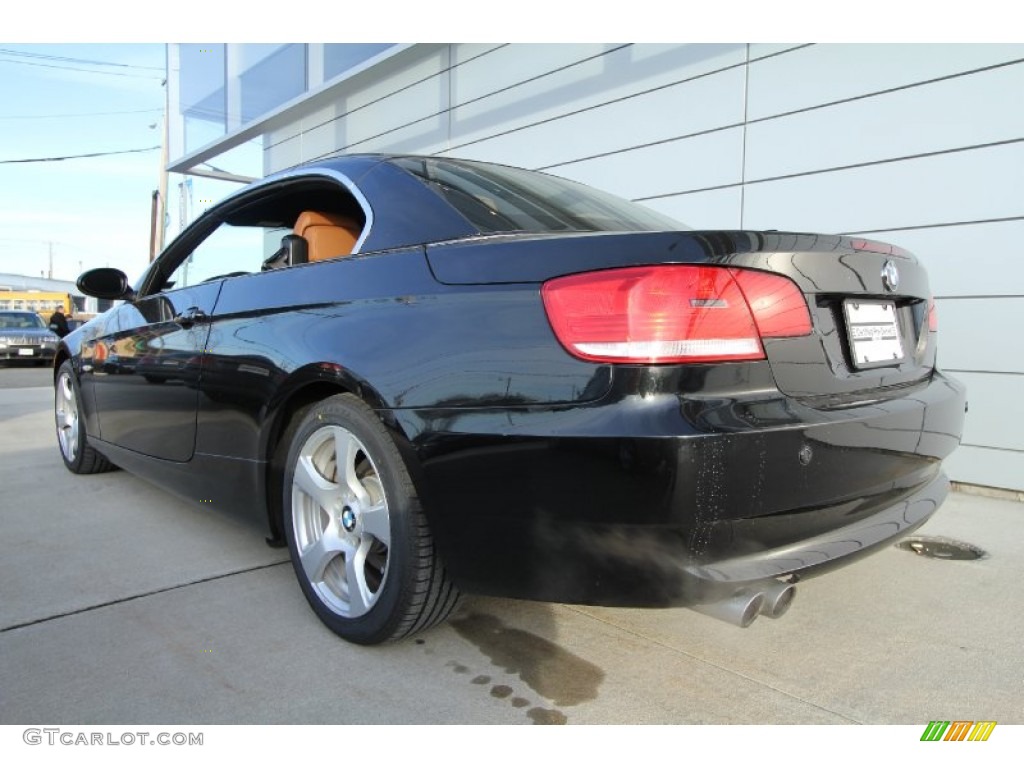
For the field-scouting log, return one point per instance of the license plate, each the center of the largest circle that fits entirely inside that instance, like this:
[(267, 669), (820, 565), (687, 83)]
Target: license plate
[(26, 352), (874, 330)]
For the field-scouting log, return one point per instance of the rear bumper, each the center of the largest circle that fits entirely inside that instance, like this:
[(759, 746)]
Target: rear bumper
[(676, 499), (821, 553)]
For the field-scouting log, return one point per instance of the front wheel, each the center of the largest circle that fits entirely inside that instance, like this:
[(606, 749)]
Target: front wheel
[(80, 457), (358, 538)]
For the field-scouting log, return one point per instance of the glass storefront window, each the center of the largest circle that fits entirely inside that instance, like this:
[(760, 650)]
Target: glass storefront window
[(202, 93), (216, 89), (275, 78)]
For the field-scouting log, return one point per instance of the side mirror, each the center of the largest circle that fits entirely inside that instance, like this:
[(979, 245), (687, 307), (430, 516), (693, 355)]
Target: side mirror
[(105, 283)]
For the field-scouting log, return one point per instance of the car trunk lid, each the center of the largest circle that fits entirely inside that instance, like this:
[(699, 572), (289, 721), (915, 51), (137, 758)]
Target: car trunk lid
[(868, 300)]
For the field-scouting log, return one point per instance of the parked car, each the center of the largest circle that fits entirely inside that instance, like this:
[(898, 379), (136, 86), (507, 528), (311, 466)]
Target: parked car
[(457, 377), (24, 336)]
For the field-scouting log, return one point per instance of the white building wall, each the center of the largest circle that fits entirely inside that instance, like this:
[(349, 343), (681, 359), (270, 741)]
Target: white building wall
[(920, 145)]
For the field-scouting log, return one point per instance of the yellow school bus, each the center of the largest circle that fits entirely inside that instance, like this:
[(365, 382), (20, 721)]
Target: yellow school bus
[(41, 302)]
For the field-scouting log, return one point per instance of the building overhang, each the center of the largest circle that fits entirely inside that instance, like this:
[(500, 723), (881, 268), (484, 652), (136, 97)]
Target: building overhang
[(288, 113)]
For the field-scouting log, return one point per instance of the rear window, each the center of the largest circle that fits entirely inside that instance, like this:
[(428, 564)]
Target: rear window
[(498, 198)]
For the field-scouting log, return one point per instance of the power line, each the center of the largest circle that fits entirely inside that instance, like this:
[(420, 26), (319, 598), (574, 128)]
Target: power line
[(75, 157), (80, 114), (80, 69), (72, 60)]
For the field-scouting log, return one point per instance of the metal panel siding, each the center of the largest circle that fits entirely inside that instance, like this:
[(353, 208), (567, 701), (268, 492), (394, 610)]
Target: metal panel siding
[(992, 467), (994, 401), (819, 74), (322, 140), (717, 209), (693, 107), (424, 99), (463, 52), (708, 160), (623, 73), (283, 154), (427, 136), (982, 334), (961, 186), (321, 116), (930, 118), (760, 50), (510, 65)]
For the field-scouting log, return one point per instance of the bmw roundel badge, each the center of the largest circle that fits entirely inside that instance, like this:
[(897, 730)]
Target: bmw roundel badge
[(890, 276)]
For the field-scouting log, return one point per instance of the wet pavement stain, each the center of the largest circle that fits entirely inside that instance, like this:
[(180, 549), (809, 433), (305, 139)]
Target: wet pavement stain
[(550, 670), (541, 716), (546, 717)]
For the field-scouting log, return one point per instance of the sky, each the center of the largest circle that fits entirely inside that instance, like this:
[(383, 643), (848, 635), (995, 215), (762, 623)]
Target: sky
[(91, 211)]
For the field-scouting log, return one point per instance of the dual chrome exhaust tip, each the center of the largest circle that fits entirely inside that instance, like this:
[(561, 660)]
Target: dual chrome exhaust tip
[(769, 598)]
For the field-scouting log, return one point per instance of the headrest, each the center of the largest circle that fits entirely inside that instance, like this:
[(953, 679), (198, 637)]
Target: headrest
[(329, 234)]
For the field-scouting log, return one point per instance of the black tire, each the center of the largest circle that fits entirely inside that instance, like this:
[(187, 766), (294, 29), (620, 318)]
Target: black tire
[(79, 457), (359, 540)]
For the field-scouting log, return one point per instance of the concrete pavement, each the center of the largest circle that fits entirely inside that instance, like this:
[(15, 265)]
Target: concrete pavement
[(122, 604)]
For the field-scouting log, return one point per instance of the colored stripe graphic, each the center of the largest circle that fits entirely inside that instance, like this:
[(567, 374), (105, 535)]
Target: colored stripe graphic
[(982, 730), (958, 730)]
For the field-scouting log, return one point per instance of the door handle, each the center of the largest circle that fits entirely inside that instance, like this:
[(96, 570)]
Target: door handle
[(190, 317)]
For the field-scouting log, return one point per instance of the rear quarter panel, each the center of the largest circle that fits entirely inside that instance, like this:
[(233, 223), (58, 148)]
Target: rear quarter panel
[(380, 325)]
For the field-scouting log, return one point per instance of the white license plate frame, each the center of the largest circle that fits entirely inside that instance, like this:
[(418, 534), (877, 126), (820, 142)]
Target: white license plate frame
[(873, 330)]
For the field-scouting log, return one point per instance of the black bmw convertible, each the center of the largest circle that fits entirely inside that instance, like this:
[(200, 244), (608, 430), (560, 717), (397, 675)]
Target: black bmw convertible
[(433, 376)]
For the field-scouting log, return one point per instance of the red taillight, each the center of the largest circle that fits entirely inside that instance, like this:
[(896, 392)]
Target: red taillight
[(933, 316), (673, 313)]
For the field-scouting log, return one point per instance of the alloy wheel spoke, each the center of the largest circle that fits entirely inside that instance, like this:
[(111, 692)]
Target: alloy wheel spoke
[(313, 484), (320, 553), (376, 522), (347, 451), (359, 596)]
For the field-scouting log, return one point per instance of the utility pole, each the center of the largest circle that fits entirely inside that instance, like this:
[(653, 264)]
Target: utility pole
[(162, 206), (185, 195), (154, 212), (158, 225), (49, 273)]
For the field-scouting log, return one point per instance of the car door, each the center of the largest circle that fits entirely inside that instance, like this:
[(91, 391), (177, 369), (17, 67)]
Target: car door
[(148, 365), (147, 385)]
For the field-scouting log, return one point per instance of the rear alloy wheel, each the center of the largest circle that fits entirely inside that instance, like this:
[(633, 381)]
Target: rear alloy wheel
[(359, 541), (78, 455)]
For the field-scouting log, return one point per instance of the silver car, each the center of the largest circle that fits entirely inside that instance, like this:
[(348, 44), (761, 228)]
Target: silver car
[(24, 336)]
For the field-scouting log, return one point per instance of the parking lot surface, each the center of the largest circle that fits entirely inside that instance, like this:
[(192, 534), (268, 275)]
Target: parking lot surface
[(123, 604)]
